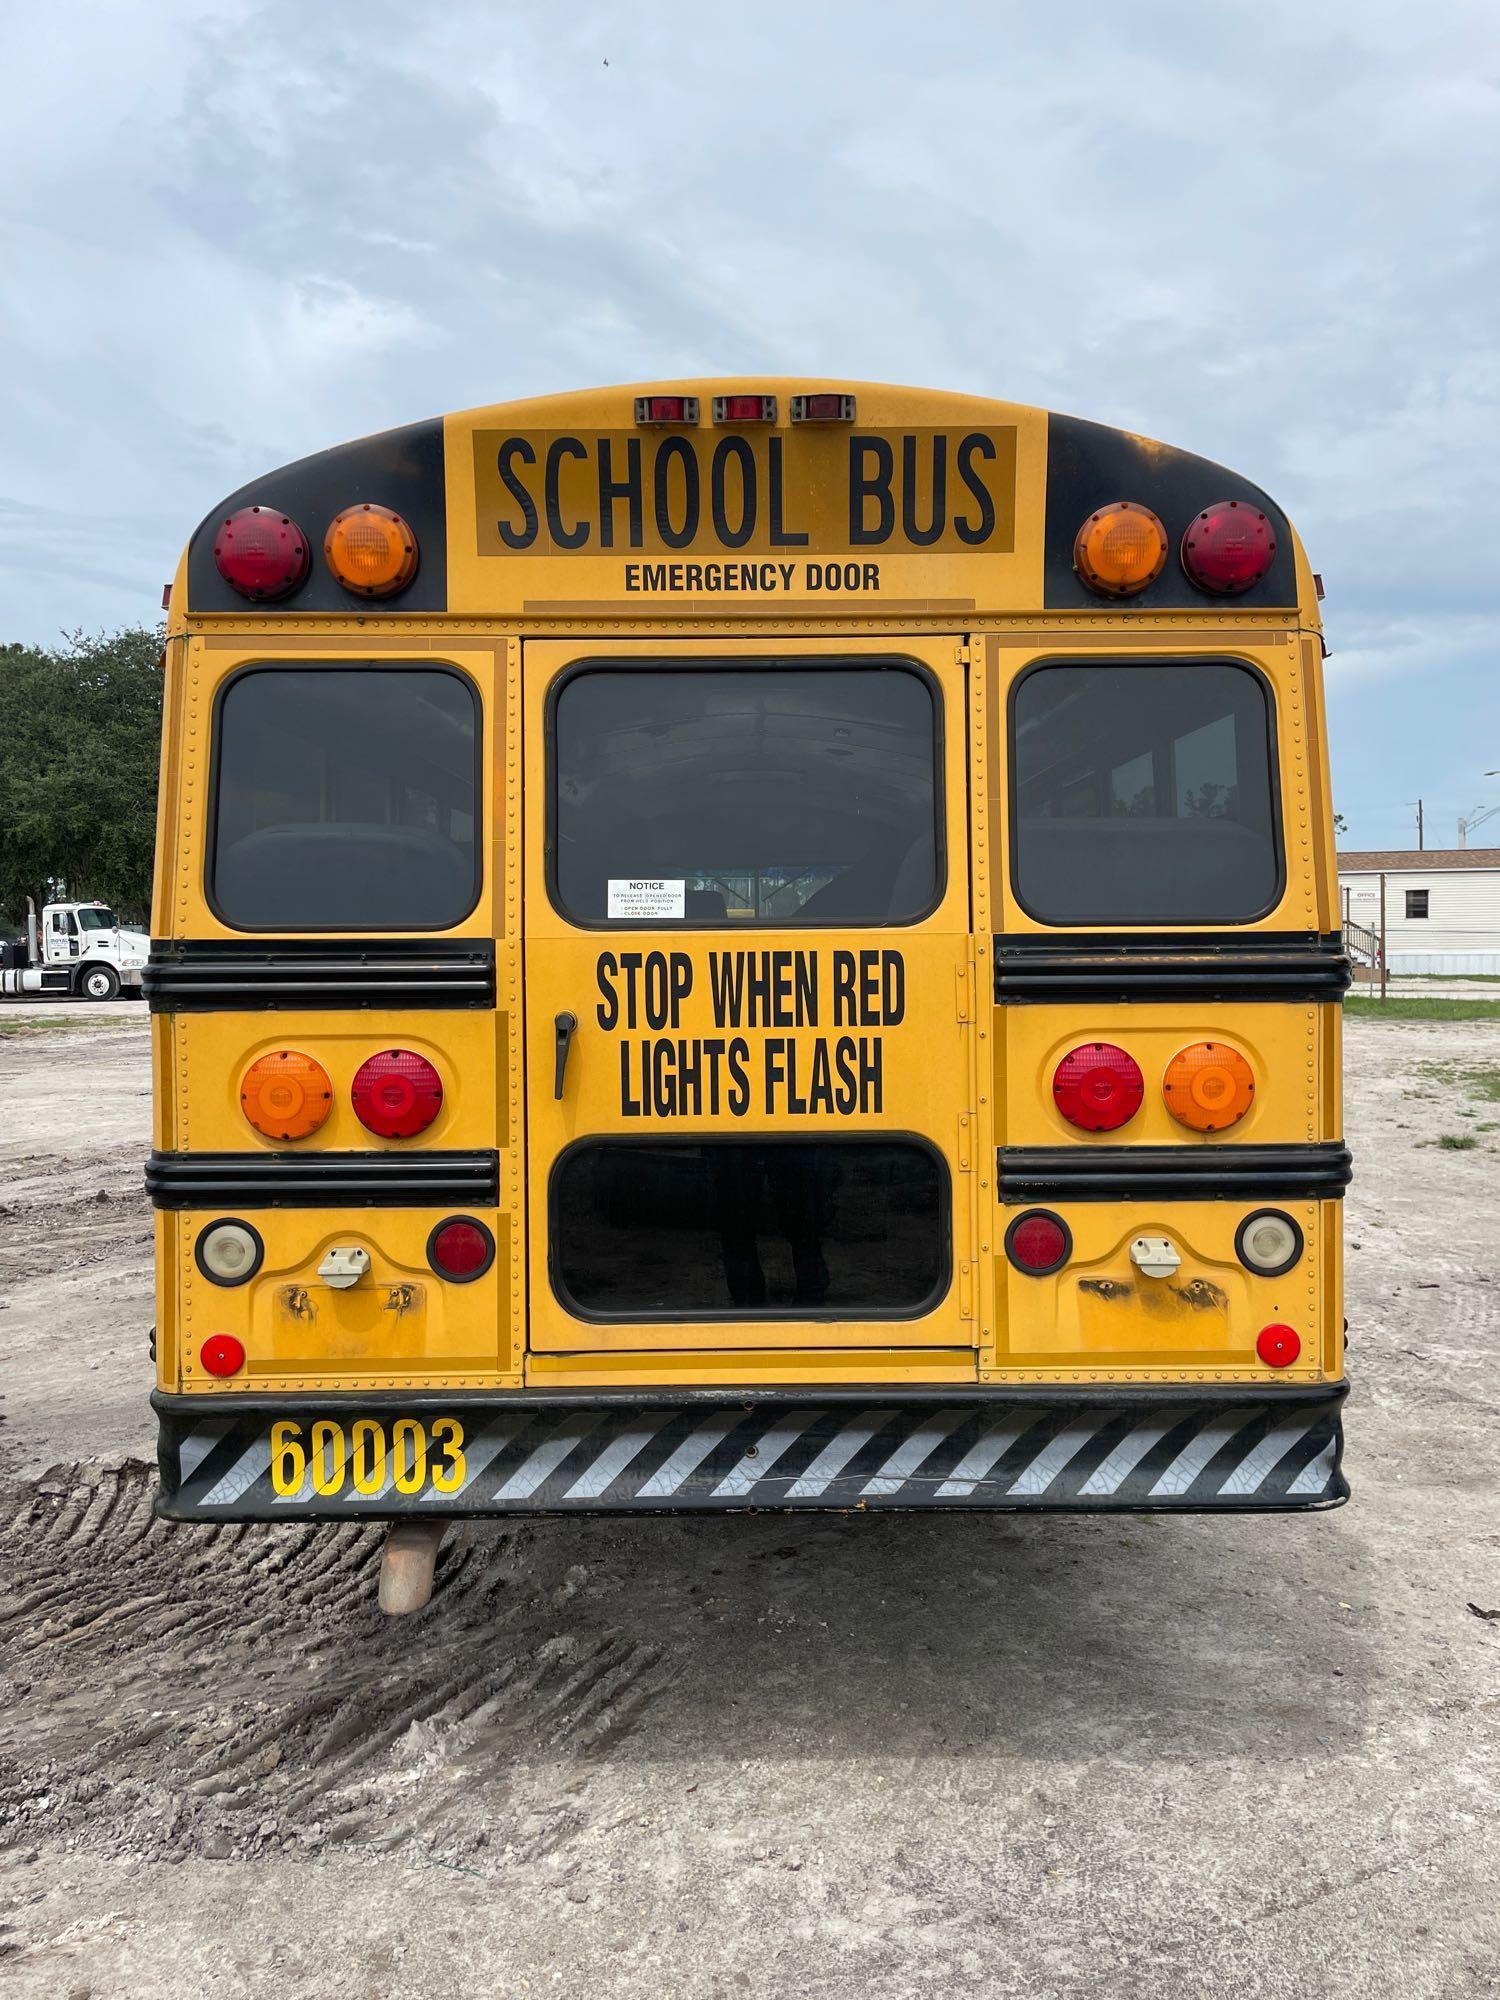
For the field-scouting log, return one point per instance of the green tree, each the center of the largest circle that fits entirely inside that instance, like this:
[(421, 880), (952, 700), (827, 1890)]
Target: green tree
[(80, 734)]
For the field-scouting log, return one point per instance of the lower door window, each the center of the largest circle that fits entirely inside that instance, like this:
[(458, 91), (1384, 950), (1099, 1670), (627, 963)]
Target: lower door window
[(747, 1229)]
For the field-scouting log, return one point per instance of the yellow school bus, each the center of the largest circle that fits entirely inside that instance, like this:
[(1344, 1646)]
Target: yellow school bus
[(741, 944)]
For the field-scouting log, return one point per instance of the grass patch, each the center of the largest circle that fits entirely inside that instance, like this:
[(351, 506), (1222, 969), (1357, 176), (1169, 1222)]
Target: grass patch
[(1478, 1080), (14, 1031), (1421, 1010), (1455, 1142)]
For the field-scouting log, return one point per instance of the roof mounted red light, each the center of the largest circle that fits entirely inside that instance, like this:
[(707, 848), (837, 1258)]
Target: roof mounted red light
[(261, 553), (1098, 1087), (744, 409), (1228, 547), (822, 408), (666, 409)]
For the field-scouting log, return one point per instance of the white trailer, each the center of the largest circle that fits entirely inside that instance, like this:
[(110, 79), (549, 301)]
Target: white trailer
[(78, 949)]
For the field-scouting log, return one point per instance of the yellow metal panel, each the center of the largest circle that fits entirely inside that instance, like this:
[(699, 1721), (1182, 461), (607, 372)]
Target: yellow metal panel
[(1284, 1043), (1099, 1319), (752, 1367)]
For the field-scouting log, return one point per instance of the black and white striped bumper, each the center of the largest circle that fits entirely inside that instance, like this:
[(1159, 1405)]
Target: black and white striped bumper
[(339, 1457)]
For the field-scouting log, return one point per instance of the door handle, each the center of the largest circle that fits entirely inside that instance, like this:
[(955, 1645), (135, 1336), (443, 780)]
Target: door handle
[(563, 1026)]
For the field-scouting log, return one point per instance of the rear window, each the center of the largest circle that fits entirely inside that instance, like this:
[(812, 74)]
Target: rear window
[(1144, 794), (848, 1229), (346, 798), (773, 794)]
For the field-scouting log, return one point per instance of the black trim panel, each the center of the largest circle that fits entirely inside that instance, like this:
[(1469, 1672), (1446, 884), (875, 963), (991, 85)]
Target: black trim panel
[(1271, 965), (229, 975), (1252, 1448), (323, 1180), (1317, 1172)]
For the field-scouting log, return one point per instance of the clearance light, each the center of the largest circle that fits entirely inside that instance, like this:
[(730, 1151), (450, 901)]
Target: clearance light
[(744, 409), (222, 1354), (461, 1249), (286, 1095), (1120, 549), (229, 1253), (1038, 1242), (1268, 1242), (261, 553), (822, 408), (1208, 1086), (371, 550), (397, 1094), (1228, 547), (1278, 1346), (666, 409), (1098, 1087)]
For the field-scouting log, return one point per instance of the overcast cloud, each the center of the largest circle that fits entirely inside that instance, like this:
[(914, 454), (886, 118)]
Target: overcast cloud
[(235, 231)]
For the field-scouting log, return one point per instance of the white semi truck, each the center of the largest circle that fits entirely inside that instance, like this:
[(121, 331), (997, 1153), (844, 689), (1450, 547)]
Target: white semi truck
[(78, 949)]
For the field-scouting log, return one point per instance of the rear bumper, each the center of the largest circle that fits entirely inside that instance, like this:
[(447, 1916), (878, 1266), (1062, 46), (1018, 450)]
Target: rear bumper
[(383, 1456)]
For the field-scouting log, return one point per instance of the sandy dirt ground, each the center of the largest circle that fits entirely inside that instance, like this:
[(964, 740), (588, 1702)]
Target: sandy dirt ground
[(740, 1756)]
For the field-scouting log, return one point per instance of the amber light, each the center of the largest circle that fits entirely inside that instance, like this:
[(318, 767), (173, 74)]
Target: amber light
[(1208, 1086), (371, 550), (286, 1095), (397, 1094), (1120, 549), (1098, 1087)]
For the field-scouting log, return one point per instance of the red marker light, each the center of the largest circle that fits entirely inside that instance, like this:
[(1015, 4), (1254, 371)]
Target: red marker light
[(1278, 1346), (1228, 547), (744, 409), (822, 408), (666, 409), (1098, 1087), (261, 553), (1038, 1242), (396, 1094), (461, 1249), (221, 1354)]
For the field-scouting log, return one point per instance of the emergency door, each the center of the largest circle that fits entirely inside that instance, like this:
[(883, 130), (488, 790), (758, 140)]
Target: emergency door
[(746, 939)]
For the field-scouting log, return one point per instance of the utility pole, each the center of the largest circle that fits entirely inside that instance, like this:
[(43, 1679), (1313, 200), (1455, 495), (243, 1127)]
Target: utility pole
[(1382, 936), (1419, 826)]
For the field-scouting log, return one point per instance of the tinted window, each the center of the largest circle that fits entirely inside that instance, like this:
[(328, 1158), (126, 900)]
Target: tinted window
[(346, 799), (772, 795), (1143, 794), (846, 1230)]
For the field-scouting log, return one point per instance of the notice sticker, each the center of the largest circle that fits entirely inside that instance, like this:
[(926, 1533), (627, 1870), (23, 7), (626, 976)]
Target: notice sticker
[(647, 899)]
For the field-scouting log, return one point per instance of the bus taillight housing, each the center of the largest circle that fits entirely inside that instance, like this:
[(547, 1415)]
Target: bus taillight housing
[(396, 1094), (1098, 1087)]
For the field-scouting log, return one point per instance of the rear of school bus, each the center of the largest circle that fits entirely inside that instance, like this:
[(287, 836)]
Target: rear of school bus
[(746, 945)]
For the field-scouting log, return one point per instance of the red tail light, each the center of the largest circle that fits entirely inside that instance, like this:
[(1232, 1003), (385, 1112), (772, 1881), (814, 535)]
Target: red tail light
[(744, 409), (822, 408), (461, 1249), (221, 1354), (1038, 1242), (1278, 1346), (666, 409), (1098, 1087), (263, 554), (397, 1094), (1228, 547)]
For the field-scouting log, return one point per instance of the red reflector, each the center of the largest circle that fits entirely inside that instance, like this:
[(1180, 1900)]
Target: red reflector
[(461, 1249), (822, 408), (1228, 547), (222, 1354), (396, 1094), (1038, 1242), (744, 409), (261, 553), (1278, 1346), (666, 409), (1098, 1087)]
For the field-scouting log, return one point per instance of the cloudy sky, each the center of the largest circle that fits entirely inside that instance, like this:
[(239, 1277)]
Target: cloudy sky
[(235, 231)]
